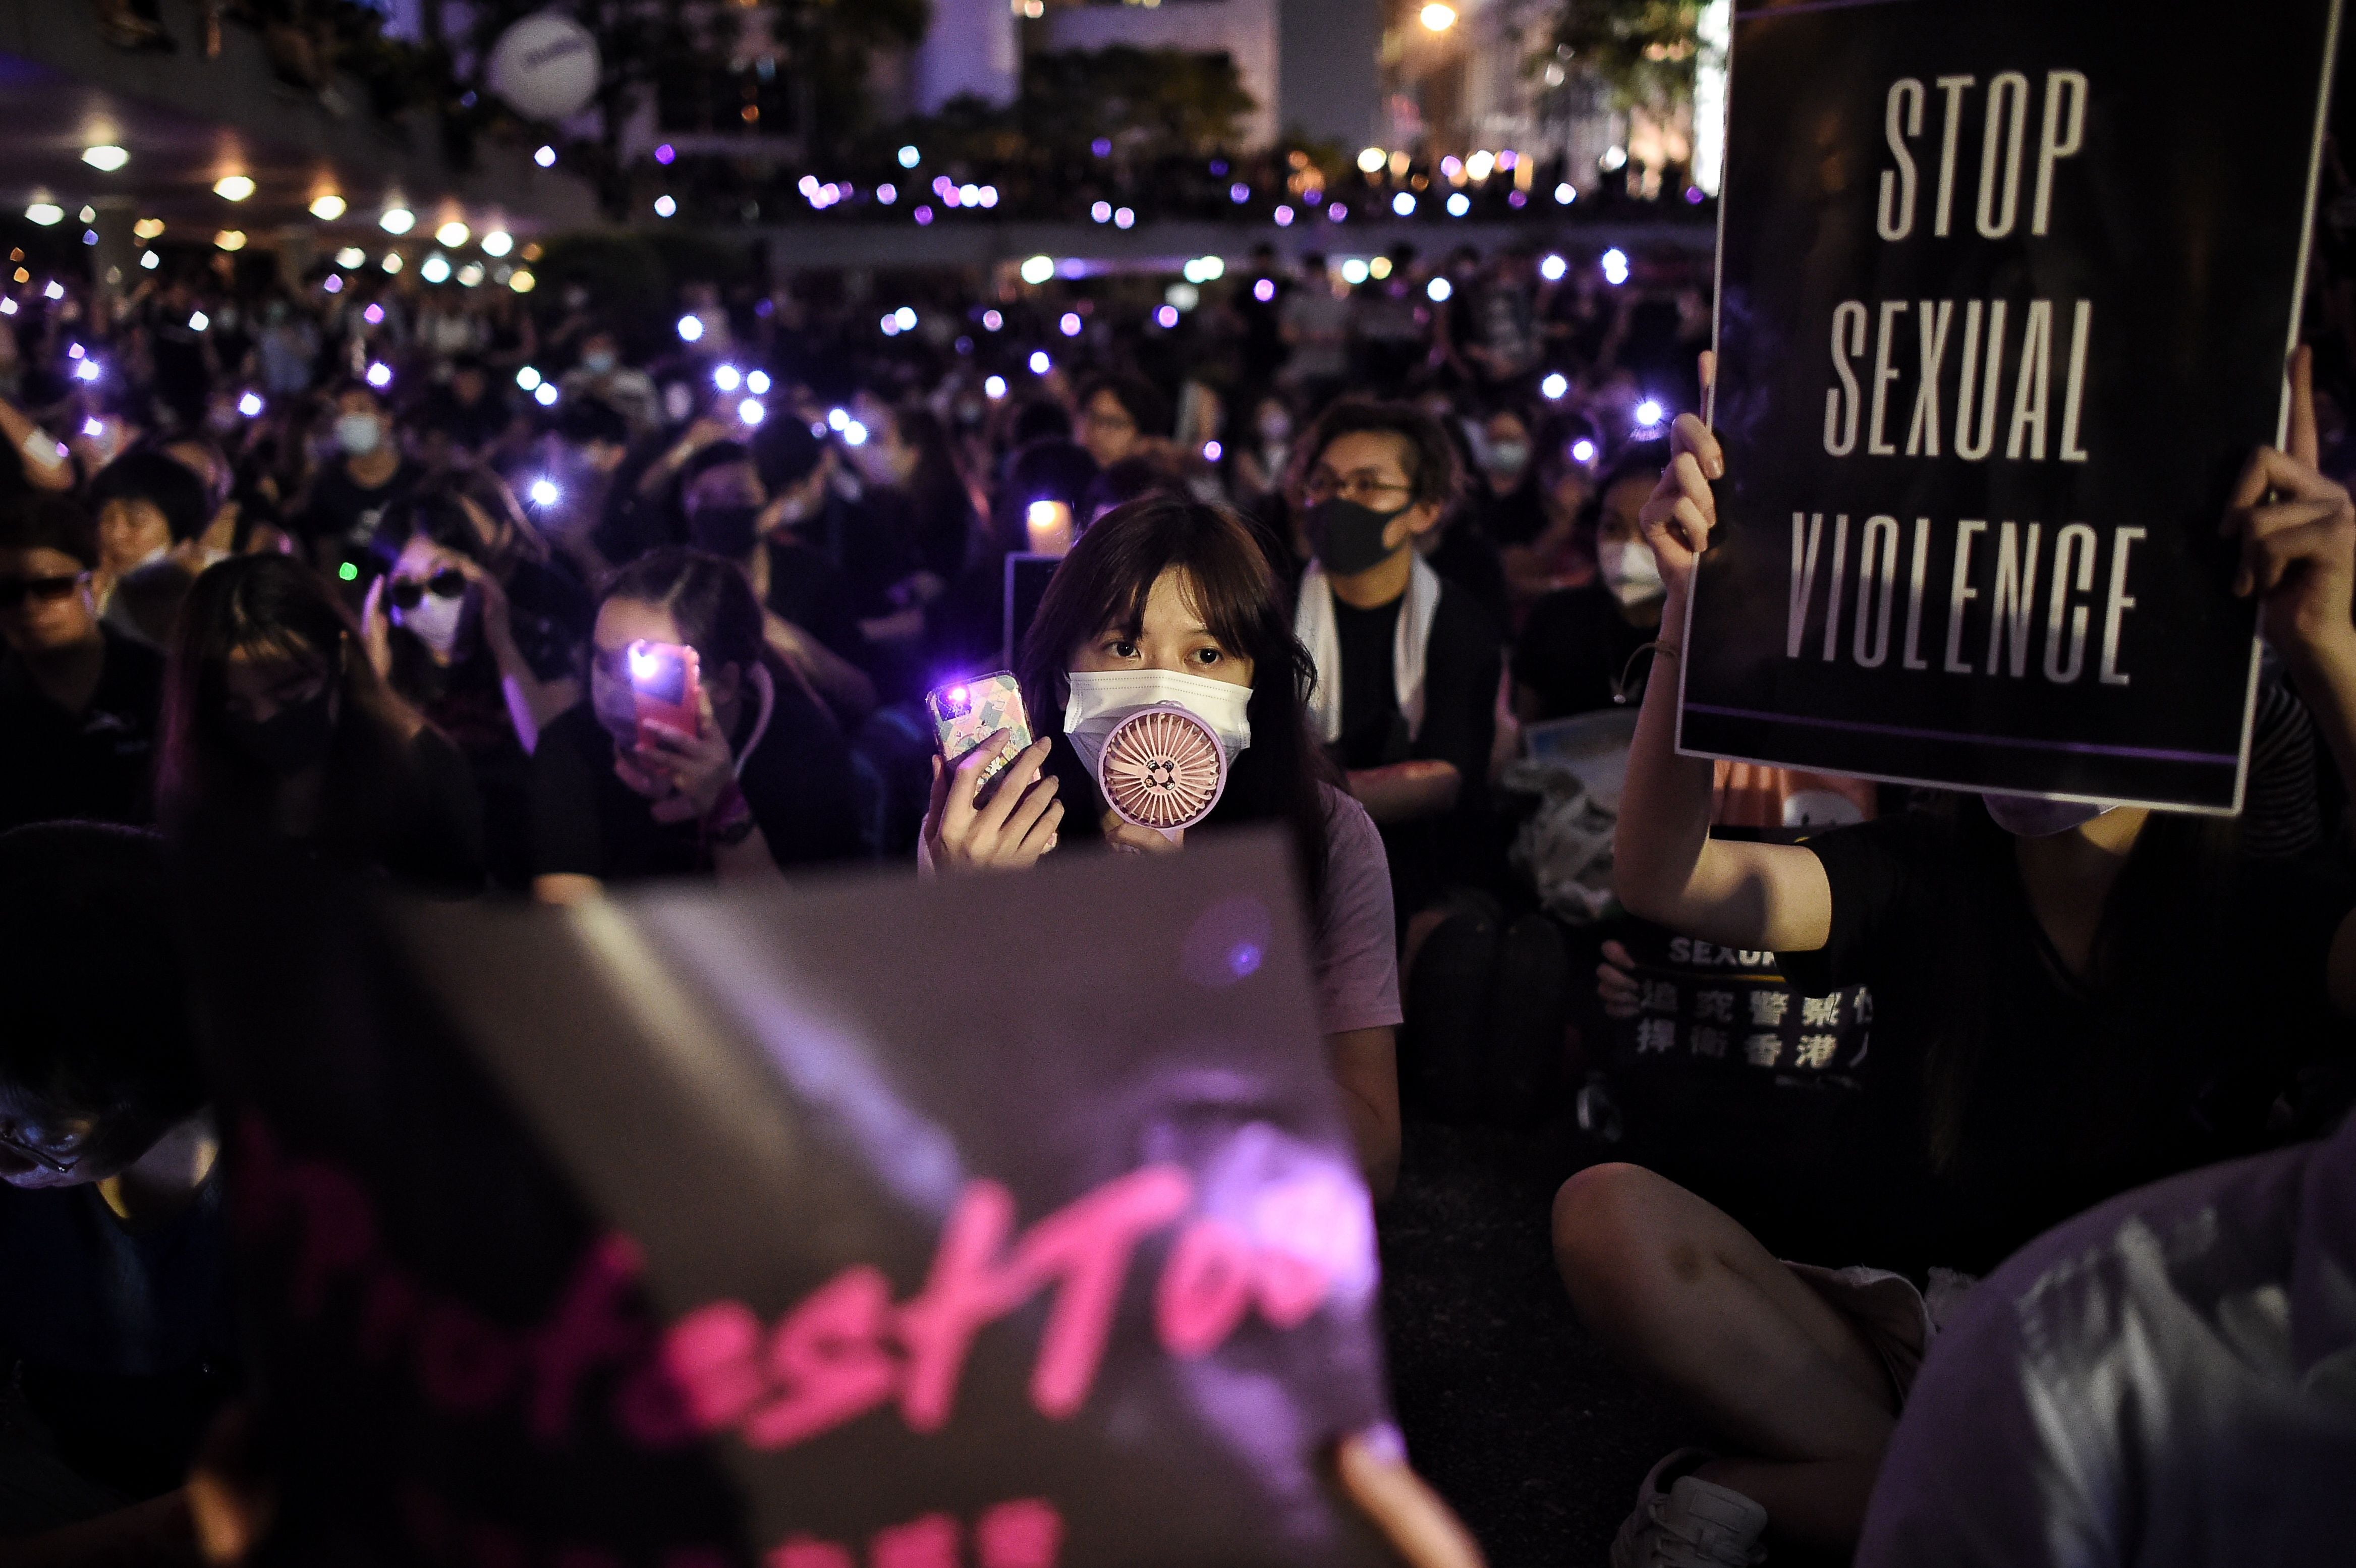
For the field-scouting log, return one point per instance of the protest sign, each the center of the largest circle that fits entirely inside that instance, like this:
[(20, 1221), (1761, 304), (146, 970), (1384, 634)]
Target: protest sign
[(881, 1223), (2004, 293)]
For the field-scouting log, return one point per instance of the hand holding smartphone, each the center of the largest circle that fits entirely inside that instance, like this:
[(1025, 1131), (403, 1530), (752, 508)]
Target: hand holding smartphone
[(966, 712), (665, 687)]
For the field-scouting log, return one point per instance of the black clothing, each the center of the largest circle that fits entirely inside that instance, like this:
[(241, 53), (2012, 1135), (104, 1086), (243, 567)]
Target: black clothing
[(1574, 645), (1462, 665), (343, 513), (125, 1344), (811, 592), (797, 778), (1468, 559), (97, 765), (2077, 1089)]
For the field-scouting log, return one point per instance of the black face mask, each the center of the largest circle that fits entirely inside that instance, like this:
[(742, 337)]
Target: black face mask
[(725, 531), (292, 739), (1347, 537)]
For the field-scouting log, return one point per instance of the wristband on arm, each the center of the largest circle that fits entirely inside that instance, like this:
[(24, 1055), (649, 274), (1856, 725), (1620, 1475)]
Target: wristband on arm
[(730, 822)]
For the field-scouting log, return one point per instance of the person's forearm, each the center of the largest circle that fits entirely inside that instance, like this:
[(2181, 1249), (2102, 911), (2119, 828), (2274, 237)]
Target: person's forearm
[(20, 430), (144, 1535), (1404, 791), (1365, 1065), (746, 861), (844, 686), (532, 704), (2325, 676), (1664, 828)]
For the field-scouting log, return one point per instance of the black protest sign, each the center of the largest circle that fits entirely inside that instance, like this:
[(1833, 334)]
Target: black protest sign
[(2004, 293), (990, 1223)]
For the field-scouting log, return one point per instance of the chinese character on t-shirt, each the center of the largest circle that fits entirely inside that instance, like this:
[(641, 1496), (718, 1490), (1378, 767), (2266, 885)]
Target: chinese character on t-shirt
[(1655, 1034), (1761, 1050), (1767, 1007)]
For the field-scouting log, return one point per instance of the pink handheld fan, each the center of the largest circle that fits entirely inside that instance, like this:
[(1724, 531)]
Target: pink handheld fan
[(1163, 768)]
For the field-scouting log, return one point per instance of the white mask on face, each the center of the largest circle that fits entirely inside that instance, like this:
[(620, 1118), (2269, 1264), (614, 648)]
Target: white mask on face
[(437, 621), (2029, 817), (1630, 572), (358, 433), (1101, 699)]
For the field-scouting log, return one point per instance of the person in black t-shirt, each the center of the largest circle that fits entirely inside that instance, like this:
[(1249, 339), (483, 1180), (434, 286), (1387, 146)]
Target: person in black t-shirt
[(277, 725), (1580, 643), (1407, 664), (765, 783), (117, 1332), (349, 497), (2070, 1000), (78, 698)]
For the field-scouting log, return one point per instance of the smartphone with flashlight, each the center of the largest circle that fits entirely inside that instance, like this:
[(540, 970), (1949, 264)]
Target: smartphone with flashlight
[(966, 712), (664, 688)]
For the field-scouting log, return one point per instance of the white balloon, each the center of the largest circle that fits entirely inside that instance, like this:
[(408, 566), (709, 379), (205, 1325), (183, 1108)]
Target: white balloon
[(545, 65)]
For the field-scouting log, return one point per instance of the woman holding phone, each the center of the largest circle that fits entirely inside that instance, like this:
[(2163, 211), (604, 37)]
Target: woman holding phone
[(1183, 593), (698, 752)]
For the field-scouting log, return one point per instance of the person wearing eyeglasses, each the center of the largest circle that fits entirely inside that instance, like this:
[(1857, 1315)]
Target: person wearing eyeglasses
[(78, 700), (1407, 664), (118, 1338)]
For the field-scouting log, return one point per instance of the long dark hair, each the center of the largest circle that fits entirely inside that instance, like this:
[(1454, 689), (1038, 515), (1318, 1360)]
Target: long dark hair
[(708, 599), (274, 607), (1104, 583)]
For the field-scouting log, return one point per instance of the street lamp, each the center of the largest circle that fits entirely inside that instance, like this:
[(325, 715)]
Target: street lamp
[(1439, 18)]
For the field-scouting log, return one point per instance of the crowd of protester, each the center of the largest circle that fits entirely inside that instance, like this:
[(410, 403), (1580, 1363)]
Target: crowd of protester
[(365, 570)]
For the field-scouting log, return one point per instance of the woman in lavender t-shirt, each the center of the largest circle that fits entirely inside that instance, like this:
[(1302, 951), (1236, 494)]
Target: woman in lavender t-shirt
[(1177, 602)]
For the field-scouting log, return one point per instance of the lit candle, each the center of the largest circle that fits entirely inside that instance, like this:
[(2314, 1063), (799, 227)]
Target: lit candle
[(1050, 528)]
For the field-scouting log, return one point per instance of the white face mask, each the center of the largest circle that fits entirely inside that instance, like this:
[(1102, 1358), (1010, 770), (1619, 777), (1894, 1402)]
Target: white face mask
[(437, 621), (1630, 572), (2029, 817), (358, 433), (1101, 699)]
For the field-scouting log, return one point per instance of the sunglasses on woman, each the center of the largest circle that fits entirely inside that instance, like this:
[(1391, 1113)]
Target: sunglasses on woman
[(408, 593), (15, 591)]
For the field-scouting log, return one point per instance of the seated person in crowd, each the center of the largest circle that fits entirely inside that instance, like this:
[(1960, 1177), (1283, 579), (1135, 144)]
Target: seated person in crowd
[(153, 513), (1168, 600), (277, 724), (78, 700), (579, 456), (2163, 1381), (117, 1321), (2041, 1043), (348, 496), (807, 617), (475, 625), (1580, 647), (600, 374), (764, 784), (1122, 416), (468, 418), (1407, 664)]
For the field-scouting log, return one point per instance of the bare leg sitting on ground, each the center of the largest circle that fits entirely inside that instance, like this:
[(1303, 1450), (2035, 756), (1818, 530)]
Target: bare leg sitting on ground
[(1693, 1303)]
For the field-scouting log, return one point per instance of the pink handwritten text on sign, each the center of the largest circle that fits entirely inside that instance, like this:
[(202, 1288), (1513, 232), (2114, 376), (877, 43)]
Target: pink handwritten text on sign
[(845, 1349)]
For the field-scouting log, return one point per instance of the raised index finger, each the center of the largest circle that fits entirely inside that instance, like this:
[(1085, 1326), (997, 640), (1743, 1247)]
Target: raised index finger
[(1690, 435), (2303, 445)]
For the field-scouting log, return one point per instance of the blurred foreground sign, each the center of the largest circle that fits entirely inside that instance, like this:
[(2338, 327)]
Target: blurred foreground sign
[(2005, 289), (985, 1223)]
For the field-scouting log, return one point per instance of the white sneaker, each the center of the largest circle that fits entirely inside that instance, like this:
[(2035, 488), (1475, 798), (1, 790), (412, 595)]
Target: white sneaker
[(1694, 1524)]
